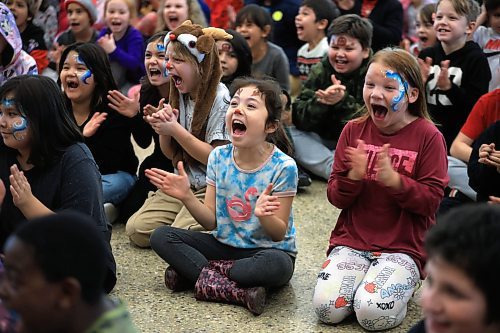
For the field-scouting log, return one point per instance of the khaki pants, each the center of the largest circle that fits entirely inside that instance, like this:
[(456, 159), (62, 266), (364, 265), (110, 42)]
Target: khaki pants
[(158, 210)]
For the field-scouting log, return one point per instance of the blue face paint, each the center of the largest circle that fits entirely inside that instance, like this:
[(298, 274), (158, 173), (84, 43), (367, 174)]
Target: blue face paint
[(87, 74), (8, 102), (19, 127), (403, 87), (160, 47), (166, 72)]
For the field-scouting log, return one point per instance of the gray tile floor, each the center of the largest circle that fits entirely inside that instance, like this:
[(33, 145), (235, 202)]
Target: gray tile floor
[(156, 309)]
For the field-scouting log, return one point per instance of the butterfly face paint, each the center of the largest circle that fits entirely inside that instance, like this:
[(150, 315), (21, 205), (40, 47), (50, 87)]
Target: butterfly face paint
[(403, 87), (86, 74)]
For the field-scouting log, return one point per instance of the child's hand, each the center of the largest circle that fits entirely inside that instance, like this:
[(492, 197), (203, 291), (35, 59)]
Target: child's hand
[(266, 204), (97, 119), (405, 44), (126, 106), (107, 42), (489, 156), (443, 81), (425, 67), (333, 94), (171, 184), (494, 200), (19, 187), (149, 110), (2, 192), (385, 173), (164, 121), (357, 161)]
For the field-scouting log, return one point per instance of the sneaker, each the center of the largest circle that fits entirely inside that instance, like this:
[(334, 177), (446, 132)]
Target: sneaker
[(304, 179), (111, 212)]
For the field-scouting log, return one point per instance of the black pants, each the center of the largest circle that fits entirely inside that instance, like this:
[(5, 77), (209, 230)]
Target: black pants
[(189, 251)]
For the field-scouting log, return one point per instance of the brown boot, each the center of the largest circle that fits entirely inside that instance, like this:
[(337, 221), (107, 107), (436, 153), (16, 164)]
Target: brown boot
[(174, 281), (214, 286)]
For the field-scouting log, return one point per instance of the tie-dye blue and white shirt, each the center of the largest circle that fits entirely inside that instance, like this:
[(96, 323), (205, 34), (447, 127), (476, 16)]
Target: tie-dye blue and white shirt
[(236, 194)]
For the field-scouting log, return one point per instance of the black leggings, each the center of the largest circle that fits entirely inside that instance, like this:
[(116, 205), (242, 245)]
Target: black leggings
[(189, 251)]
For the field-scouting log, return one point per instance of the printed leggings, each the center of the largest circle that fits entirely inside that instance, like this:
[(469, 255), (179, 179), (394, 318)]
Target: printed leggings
[(376, 286)]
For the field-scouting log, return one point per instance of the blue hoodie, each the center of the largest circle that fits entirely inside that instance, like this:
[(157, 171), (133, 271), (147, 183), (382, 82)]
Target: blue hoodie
[(13, 60)]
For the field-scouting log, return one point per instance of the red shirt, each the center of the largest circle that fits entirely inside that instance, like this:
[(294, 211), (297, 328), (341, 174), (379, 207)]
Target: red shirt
[(485, 112), (378, 218)]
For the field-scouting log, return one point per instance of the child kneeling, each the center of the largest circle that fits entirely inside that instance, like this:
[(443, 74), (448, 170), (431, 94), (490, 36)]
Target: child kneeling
[(388, 178)]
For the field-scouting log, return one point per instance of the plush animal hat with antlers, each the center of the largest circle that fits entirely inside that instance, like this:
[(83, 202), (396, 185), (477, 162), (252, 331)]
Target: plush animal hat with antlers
[(201, 44)]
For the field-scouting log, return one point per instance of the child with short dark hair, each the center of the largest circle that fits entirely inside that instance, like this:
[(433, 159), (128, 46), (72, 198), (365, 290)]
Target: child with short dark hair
[(254, 23), (331, 95), (312, 22), (461, 292), (60, 259), (488, 38)]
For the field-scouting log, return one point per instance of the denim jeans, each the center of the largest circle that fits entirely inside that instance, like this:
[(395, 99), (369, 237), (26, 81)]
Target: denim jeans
[(115, 186)]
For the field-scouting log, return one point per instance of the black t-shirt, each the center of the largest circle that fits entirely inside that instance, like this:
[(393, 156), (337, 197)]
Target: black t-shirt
[(73, 182)]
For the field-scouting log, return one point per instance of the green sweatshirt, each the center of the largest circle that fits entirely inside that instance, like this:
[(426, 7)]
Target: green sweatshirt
[(329, 120)]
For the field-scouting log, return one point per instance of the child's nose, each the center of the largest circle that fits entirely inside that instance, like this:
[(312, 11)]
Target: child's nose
[(169, 65)]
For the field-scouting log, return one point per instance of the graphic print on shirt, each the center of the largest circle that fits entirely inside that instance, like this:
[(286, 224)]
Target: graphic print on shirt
[(434, 95), (403, 161), (241, 210)]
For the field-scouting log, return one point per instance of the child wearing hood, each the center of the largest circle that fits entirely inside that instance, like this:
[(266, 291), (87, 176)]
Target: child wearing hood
[(13, 60)]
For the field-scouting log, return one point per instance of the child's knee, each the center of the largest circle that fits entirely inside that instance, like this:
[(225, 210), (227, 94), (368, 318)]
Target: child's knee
[(374, 314), (132, 230), (330, 306)]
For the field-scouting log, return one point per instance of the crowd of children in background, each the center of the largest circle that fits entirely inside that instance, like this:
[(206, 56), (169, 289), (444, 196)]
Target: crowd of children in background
[(395, 103)]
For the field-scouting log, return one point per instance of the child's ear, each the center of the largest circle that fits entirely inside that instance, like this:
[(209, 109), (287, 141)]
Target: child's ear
[(365, 52), (271, 127), (470, 27), (413, 95), (322, 24), (266, 31)]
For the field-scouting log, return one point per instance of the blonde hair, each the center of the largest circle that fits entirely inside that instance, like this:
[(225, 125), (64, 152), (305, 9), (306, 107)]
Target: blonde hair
[(195, 14), (132, 8), (407, 67), (468, 8)]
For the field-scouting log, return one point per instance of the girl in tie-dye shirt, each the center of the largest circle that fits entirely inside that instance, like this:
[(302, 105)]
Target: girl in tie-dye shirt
[(248, 207)]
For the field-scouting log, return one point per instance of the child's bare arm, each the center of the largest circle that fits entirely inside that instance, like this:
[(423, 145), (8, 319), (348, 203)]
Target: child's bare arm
[(461, 147), (196, 148), (178, 187)]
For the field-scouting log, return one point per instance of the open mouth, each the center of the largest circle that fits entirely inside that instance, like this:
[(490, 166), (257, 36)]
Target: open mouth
[(177, 80), (74, 24), (116, 23), (238, 127), (442, 30), (72, 84), (154, 72), (299, 28), (173, 19), (379, 111)]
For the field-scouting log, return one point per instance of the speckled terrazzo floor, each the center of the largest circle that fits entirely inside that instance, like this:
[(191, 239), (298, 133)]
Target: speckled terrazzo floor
[(156, 309)]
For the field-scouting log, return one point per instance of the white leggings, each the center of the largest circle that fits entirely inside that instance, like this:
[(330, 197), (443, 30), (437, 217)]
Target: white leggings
[(376, 286)]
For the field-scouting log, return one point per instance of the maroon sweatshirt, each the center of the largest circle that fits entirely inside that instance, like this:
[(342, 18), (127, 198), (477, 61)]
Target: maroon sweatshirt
[(375, 217)]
